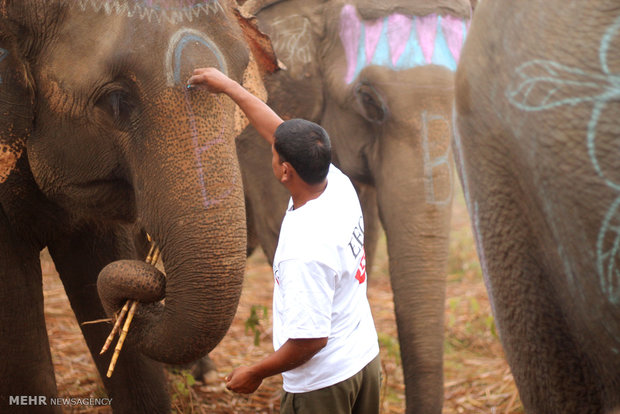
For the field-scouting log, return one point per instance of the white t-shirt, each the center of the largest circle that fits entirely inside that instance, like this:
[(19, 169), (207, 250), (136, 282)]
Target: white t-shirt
[(320, 287)]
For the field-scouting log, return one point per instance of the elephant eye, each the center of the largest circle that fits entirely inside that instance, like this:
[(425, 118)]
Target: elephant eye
[(370, 104), (119, 106)]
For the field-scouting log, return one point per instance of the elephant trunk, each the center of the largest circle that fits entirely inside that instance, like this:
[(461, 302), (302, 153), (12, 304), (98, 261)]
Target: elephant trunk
[(190, 200), (415, 206)]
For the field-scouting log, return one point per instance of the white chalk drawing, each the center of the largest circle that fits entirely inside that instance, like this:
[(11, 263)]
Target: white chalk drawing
[(152, 11), (174, 53), (545, 84), (3, 54), (292, 39), (432, 164)]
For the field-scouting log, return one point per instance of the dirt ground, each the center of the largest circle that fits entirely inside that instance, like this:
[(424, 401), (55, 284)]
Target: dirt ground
[(477, 378)]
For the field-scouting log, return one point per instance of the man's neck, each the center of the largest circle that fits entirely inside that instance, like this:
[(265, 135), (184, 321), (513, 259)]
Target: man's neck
[(305, 193)]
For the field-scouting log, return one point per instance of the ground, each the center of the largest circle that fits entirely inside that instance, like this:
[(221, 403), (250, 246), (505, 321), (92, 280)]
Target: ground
[(477, 378)]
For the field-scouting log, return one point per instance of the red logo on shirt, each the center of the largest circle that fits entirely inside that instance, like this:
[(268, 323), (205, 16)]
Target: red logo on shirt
[(361, 270)]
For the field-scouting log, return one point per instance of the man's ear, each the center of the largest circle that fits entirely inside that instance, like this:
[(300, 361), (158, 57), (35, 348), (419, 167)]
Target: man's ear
[(288, 172)]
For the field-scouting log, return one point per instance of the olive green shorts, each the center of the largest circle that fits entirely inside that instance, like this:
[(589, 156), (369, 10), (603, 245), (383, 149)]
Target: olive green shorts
[(359, 394)]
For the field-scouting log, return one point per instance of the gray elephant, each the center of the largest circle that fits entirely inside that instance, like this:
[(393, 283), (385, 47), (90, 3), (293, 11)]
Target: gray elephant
[(538, 144), (379, 77), (100, 139)]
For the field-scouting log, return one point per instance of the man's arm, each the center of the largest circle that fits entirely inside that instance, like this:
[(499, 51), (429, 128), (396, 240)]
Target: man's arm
[(260, 115), (292, 354)]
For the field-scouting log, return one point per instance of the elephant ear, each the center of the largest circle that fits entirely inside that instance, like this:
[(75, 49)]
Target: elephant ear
[(294, 27), (260, 44), (262, 61), (16, 99)]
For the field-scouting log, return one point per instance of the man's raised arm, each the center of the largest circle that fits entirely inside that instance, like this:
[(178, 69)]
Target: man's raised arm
[(260, 115)]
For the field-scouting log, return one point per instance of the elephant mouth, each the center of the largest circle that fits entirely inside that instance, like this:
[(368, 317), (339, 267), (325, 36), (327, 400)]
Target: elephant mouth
[(113, 197), (94, 186)]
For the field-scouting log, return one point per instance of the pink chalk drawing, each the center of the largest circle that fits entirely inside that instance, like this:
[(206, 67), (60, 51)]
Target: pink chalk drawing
[(427, 30), (373, 33), (399, 28), (453, 31), (350, 29), (200, 149), (391, 41)]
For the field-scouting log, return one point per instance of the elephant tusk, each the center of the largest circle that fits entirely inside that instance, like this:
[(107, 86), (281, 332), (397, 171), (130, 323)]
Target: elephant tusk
[(129, 309)]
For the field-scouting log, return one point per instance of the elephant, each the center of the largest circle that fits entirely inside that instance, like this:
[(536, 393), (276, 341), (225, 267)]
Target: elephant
[(101, 141), (537, 143), (379, 77)]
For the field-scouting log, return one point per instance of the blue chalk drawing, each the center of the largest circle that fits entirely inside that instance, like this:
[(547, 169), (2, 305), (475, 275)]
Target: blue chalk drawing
[(608, 252), (3, 54), (205, 41), (545, 84), (432, 164), (174, 54)]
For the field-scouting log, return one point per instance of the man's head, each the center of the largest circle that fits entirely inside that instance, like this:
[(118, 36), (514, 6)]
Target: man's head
[(306, 146)]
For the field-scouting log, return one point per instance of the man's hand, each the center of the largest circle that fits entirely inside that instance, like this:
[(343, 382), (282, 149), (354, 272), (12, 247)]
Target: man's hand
[(210, 79), (243, 380), (260, 115)]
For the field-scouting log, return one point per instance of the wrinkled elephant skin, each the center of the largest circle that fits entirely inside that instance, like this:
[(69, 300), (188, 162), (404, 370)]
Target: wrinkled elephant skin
[(101, 141), (538, 144), (379, 77)]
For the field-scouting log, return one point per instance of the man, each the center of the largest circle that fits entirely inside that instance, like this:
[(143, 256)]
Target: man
[(323, 333)]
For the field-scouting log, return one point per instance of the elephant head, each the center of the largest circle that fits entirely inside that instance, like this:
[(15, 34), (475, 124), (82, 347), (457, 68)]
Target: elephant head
[(98, 123), (378, 76)]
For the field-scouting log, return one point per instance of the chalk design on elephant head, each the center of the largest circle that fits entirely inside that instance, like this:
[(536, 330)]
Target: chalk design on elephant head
[(292, 39), (153, 10), (399, 41), (544, 84), (172, 69), (433, 161), (174, 53)]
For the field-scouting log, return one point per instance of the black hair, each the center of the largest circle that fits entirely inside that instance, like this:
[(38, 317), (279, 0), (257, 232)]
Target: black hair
[(306, 146)]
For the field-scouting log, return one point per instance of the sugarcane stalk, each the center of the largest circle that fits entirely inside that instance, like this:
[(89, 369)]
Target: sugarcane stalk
[(128, 309), (117, 325), (121, 339)]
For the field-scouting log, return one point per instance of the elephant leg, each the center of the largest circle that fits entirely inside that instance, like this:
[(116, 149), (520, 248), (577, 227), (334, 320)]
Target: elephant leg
[(203, 369), (546, 361), (26, 368), (253, 241), (138, 384)]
